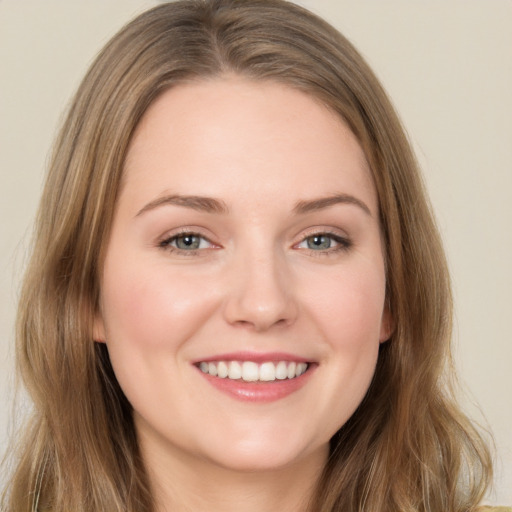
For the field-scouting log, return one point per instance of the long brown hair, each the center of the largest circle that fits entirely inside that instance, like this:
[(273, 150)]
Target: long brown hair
[(408, 447)]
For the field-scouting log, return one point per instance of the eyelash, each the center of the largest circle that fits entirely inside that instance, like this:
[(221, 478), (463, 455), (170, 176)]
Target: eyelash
[(343, 243), (166, 243)]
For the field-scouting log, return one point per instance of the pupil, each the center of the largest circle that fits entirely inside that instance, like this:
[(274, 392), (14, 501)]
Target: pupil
[(188, 242), (319, 242)]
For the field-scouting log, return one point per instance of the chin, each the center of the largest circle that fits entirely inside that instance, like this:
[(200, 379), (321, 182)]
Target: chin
[(260, 455)]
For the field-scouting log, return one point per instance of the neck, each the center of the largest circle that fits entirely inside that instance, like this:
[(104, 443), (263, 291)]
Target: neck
[(179, 483)]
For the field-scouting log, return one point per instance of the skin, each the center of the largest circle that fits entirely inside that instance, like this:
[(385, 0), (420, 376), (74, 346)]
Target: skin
[(256, 283)]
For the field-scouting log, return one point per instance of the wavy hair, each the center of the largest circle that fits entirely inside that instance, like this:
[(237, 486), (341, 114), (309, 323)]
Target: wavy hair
[(408, 447)]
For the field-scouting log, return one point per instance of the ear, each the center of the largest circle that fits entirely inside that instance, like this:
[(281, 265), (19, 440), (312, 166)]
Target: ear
[(98, 329), (387, 325)]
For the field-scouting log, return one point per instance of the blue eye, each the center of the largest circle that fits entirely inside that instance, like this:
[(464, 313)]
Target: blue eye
[(324, 242), (186, 242), (319, 242)]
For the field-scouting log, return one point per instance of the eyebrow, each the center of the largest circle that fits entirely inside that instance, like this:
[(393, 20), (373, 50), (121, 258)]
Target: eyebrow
[(211, 205), (199, 203), (325, 202)]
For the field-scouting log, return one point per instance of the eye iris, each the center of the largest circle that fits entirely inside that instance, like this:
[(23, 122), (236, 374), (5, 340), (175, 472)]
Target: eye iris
[(319, 242), (188, 242)]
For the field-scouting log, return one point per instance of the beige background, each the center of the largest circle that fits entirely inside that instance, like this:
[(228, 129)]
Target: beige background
[(448, 66)]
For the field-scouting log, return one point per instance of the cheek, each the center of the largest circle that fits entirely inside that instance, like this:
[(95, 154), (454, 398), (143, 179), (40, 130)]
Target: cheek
[(348, 306), (149, 314), (146, 306)]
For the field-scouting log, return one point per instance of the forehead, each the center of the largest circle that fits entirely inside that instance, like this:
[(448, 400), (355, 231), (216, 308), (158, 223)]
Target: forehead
[(231, 136)]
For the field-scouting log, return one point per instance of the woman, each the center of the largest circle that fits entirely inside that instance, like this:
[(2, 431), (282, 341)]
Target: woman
[(237, 296)]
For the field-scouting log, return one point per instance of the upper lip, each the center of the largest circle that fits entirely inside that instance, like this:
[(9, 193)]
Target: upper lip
[(257, 357)]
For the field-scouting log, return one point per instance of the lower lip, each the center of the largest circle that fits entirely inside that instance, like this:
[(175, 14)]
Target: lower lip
[(259, 391)]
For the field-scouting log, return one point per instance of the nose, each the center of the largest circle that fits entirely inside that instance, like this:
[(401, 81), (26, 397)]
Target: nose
[(261, 293)]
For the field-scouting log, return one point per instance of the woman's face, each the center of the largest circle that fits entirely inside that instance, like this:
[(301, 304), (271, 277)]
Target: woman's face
[(242, 294)]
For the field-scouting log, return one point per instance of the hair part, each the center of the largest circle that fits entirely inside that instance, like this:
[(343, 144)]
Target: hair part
[(407, 447)]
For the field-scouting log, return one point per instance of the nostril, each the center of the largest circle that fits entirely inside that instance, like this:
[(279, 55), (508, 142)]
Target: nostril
[(259, 300), (260, 325)]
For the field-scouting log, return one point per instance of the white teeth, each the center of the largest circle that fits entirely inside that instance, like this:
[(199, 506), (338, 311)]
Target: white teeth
[(250, 371), (268, 372), (235, 370), (291, 370), (301, 368), (222, 370), (281, 370), (212, 369)]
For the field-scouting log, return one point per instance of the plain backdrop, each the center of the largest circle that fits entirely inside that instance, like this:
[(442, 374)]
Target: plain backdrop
[(447, 65)]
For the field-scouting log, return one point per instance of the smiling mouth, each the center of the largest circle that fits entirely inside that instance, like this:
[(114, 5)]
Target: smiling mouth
[(250, 371)]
